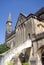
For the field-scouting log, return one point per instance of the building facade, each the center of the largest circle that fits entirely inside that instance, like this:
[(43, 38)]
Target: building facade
[(28, 27)]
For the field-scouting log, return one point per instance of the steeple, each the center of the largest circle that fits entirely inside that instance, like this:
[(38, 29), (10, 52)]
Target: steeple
[(9, 17)]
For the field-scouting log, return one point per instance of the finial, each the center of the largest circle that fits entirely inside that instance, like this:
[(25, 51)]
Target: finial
[(9, 18)]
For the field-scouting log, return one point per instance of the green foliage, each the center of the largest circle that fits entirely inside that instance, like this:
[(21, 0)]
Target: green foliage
[(25, 63), (3, 48), (10, 63)]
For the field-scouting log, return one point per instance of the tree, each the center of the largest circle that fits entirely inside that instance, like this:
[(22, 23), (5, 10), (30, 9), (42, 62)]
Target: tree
[(10, 63), (3, 48), (25, 63)]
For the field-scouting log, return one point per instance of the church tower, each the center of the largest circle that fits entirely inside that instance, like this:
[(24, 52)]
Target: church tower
[(8, 26)]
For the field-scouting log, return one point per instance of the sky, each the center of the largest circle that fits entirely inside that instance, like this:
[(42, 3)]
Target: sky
[(15, 7)]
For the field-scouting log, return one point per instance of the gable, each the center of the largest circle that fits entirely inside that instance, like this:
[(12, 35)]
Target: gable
[(21, 19)]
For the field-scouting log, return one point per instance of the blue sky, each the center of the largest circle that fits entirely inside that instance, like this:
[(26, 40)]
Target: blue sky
[(15, 7)]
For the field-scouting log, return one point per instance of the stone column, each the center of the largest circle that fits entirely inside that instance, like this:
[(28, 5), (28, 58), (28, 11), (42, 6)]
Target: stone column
[(35, 48), (24, 32), (22, 37), (39, 62), (19, 35), (33, 61), (16, 37), (19, 62)]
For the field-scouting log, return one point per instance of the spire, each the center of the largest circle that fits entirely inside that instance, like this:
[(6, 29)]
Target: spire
[(9, 17)]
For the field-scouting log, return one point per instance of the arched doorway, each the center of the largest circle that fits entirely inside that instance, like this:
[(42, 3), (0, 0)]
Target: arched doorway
[(23, 58), (43, 58)]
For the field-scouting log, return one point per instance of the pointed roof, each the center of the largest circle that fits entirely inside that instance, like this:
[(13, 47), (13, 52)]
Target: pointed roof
[(9, 17)]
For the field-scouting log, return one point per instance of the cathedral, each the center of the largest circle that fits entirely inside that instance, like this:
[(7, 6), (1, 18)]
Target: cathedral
[(27, 27)]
